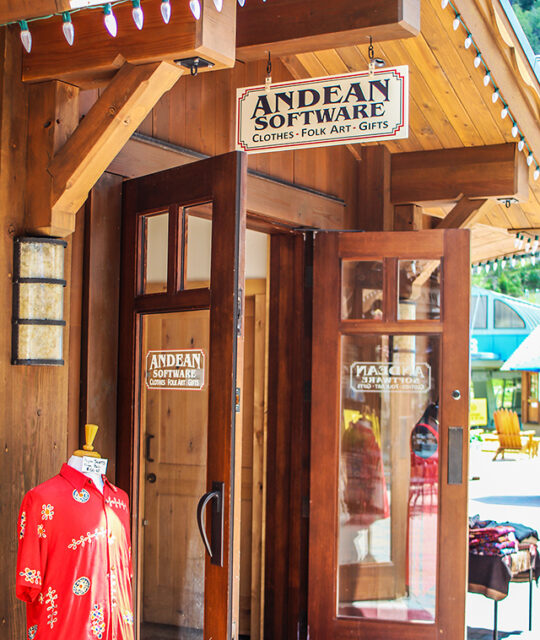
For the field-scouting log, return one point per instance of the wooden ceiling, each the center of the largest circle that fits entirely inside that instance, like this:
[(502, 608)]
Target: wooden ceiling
[(449, 104)]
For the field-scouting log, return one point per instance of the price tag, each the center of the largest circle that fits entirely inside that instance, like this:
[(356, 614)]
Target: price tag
[(94, 465)]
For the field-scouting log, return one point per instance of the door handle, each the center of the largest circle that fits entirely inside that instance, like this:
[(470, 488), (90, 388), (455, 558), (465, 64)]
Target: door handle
[(214, 547), (149, 437)]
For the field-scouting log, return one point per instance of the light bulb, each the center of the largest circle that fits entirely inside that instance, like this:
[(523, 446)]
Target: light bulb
[(487, 267), (515, 130), (487, 78), (495, 96), (456, 22), (166, 11), (530, 159), (535, 244), (67, 28), (468, 41), (444, 4), (520, 244), (528, 245), (504, 112), (503, 264), (522, 262), (26, 36), (110, 20), (477, 60), (521, 144), (533, 259), (218, 4), (516, 241), (536, 173), (137, 13), (513, 261), (241, 2), (195, 7)]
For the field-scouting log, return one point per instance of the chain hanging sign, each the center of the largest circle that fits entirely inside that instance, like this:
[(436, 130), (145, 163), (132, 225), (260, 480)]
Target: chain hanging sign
[(356, 107)]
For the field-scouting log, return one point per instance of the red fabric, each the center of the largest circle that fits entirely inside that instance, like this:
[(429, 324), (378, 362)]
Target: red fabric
[(74, 560)]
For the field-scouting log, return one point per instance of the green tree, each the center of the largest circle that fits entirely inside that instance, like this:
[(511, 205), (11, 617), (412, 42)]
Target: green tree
[(528, 14)]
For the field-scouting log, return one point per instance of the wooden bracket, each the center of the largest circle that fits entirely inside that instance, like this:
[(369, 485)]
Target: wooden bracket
[(61, 175), (462, 216)]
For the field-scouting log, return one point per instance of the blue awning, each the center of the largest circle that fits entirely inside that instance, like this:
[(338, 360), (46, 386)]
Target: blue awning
[(527, 356)]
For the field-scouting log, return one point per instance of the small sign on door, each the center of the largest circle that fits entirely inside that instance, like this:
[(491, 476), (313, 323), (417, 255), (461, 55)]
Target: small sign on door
[(182, 369), (379, 376)]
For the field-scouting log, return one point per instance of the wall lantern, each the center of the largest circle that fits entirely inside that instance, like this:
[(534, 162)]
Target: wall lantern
[(38, 301)]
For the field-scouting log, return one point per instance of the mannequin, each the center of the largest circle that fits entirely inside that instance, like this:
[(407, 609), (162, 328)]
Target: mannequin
[(76, 460)]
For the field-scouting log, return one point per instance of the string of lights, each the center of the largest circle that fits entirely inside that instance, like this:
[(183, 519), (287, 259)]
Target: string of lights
[(513, 260), (496, 95), (109, 19)]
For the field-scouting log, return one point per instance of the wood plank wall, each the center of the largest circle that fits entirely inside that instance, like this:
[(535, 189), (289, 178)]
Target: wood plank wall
[(198, 113), (35, 424)]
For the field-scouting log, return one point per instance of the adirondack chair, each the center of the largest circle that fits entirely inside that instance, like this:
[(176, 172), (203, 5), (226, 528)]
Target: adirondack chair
[(511, 438)]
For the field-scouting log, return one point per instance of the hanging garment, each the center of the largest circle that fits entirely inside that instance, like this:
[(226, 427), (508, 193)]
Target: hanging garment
[(74, 560)]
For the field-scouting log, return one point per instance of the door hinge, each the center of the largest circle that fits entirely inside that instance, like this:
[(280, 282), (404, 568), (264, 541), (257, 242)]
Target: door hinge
[(237, 400), (239, 312)]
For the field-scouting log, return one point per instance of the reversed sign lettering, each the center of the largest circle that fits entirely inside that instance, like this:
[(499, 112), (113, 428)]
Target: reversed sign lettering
[(176, 369), (379, 376), (349, 108)]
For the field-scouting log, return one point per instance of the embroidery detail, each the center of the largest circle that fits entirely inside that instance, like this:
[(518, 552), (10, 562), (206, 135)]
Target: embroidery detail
[(97, 622), (81, 586), (32, 632), (52, 607), (81, 496), (40, 598), (22, 525), (128, 617), (47, 512), (115, 502), (41, 531), (33, 576), (114, 582), (89, 537)]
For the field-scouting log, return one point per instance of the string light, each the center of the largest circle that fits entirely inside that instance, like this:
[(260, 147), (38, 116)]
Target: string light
[(67, 28), (26, 36), (166, 11), (195, 7), (535, 244), (516, 241), (241, 2), (110, 20), (468, 41), (521, 240), (504, 111), (495, 96), (536, 173), (137, 13), (218, 4), (533, 259), (513, 261), (530, 159), (457, 22), (487, 78), (521, 144), (503, 264), (477, 60), (528, 244), (487, 267), (444, 4), (515, 130)]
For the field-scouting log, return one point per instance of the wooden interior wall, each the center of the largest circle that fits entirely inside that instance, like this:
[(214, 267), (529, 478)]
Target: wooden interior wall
[(34, 399), (198, 113)]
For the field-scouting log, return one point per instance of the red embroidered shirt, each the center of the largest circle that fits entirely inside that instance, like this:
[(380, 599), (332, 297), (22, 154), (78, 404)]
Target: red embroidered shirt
[(74, 560)]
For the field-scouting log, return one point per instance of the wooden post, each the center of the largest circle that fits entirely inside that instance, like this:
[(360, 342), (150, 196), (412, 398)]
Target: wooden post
[(375, 210)]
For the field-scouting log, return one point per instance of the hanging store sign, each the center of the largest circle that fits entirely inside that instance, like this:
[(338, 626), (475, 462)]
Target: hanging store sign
[(350, 108), (182, 369), (380, 376)]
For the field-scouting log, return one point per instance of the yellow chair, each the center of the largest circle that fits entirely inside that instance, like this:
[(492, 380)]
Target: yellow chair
[(511, 438)]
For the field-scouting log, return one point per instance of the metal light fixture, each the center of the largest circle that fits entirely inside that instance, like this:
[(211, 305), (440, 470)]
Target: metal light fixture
[(38, 301)]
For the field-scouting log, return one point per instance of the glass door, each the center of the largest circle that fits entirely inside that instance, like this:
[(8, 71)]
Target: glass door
[(182, 350), (388, 518)]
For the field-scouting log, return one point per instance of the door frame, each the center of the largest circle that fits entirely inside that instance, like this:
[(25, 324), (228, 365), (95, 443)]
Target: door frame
[(452, 248), (221, 180)]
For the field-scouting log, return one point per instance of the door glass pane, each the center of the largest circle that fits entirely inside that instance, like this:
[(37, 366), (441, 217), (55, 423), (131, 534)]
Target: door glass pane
[(174, 426), (419, 290), (156, 251), (198, 246), (362, 290), (388, 477)]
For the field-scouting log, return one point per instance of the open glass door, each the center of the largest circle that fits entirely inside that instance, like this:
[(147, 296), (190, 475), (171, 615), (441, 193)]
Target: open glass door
[(181, 355), (389, 439)]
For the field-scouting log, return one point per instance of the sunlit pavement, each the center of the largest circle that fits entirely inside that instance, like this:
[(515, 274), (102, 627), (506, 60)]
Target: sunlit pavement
[(507, 490)]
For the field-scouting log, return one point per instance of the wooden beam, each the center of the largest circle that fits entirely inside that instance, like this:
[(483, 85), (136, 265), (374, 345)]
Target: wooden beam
[(267, 199), (77, 166), (408, 217), (444, 175), (11, 10), (296, 26), (375, 211), (95, 56), (462, 215)]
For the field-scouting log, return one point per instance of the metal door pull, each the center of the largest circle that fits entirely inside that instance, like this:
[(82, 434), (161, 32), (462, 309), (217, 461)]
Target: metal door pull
[(215, 546), (149, 437)]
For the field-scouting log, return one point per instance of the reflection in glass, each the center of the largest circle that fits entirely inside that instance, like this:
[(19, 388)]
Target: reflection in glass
[(198, 253), (419, 290), (174, 433), (388, 477), (362, 290), (156, 234)]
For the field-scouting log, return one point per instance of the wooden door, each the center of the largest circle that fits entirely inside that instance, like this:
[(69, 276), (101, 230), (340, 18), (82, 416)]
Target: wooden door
[(180, 374), (389, 440)]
